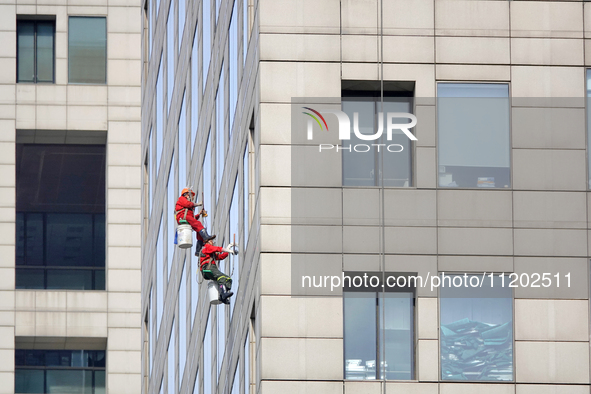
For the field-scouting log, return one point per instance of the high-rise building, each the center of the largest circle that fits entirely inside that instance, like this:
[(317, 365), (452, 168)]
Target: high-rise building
[(493, 192), (70, 196)]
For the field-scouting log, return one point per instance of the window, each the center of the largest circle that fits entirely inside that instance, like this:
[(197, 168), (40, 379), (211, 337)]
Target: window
[(236, 380), (476, 333), (205, 193), (589, 123), (379, 334), (35, 50), (196, 383), (220, 134), (149, 10), (250, 349), (182, 323), (247, 356), (473, 135), (171, 220), (221, 337), (182, 16), (159, 117), (151, 336), (64, 371), (247, 162), (207, 189), (194, 288), (150, 172), (60, 216), (245, 29), (207, 371), (234, 261), (195, 92), (233, 63), (206, 46), (391, 166), (87, 49), (171, 52), (159, 277), (171, 360), (182, 136)]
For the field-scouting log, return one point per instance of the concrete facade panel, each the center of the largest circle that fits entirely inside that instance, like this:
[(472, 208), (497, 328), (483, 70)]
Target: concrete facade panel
[(552, 362)]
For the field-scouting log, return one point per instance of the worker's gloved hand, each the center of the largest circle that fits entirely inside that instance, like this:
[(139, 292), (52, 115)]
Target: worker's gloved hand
[(198, 204), (232, 249)]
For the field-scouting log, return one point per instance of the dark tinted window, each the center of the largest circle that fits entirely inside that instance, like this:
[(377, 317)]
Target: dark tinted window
[(35, 50), (60, 223)]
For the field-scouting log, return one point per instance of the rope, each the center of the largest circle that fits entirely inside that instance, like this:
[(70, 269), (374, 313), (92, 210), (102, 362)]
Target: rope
[(232, 258)]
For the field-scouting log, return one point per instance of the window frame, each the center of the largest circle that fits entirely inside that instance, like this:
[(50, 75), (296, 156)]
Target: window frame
[(45, 368), (35, 19), (588, 124), (437, 146), (376, 97), (380, 296), (106, 50), (44, 264), (439, 342)]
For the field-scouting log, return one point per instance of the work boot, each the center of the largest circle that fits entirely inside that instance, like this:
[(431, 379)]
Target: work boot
[(225, 295), (198, 247), (206, 237)]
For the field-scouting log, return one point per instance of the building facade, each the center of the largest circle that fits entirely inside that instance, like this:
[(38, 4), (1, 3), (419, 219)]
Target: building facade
[(495, 184), (70, 196)]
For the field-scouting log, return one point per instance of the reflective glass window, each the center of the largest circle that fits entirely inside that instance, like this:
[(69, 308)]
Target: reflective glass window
[(63, 371), (207, 371), (87, 49), (379, 335), (171, 360), (206, 45), (476, 330), (473, 135), (233, 63), (390, 163), (182, 319), (35, 50), (171, 53), (171, 196), (182, 16), (60, 216), (220, 133), (195, 92)]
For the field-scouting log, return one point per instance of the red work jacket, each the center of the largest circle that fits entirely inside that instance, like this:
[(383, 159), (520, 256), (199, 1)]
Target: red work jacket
[(211, 254), (181, 204)]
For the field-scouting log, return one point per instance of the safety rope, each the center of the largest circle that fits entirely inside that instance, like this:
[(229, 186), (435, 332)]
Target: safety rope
[(232, 262)]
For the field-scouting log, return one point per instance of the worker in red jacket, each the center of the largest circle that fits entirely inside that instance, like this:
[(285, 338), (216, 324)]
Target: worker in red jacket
[(184, 211), (209, 257)]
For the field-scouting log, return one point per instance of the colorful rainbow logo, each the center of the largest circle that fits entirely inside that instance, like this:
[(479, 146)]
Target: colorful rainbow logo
[(315, 118)]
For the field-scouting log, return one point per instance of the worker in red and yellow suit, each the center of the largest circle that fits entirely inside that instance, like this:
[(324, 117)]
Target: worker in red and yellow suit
[(184, 211), (209, 257)]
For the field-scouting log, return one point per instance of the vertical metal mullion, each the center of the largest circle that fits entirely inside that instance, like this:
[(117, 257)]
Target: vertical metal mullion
[(53, 54), (93, 250), (44, 225), (25, 238), (34, 52), (377, 335), (412, 332)]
